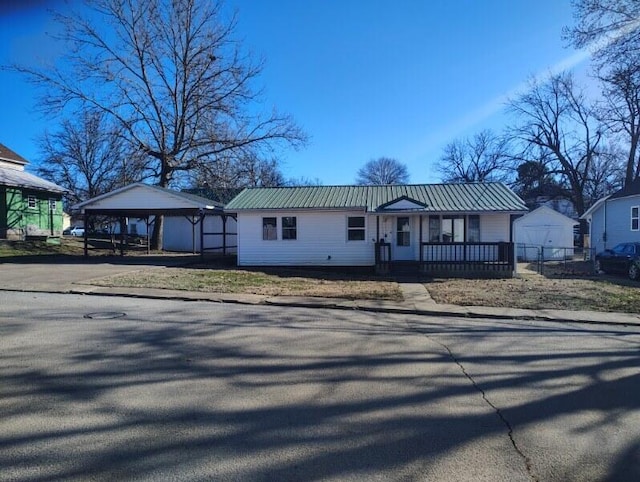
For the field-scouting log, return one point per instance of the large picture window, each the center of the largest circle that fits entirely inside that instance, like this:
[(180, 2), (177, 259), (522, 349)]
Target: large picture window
[(454, 229), (269, 229), (289, 227), (635, 218), (355, 228)]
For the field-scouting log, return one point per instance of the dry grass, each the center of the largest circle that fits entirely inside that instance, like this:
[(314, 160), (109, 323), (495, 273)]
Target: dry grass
[(256, 282), (598, 293)]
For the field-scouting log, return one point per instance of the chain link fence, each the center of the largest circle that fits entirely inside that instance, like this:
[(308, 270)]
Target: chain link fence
[(556, 260)]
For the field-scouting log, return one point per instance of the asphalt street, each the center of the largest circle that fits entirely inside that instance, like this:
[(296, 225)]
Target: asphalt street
[(110, 388)]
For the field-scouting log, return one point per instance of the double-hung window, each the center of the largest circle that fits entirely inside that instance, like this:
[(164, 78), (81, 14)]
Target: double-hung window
[(289, 227), (355, 228), (31, 202), (269, 229), (635, 218), (52, 205)]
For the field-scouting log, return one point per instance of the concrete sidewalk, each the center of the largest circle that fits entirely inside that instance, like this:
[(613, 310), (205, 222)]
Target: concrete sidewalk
[(75, 278)]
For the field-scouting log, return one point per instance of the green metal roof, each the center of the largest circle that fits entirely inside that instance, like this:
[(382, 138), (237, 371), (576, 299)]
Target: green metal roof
[(480, 197)]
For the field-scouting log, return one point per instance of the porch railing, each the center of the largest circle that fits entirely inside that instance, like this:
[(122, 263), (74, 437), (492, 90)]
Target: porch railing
[(467, 259)]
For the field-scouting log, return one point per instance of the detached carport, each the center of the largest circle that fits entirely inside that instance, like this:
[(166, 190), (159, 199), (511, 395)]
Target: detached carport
[(146, 202)]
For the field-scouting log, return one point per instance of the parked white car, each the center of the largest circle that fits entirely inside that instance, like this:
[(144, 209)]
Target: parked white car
[(74, 231)]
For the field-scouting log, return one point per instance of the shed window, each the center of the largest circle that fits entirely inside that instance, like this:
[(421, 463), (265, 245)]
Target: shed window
[(289, 229), (355, 228), (635, 216), (31, 202), (269, 229), (52, 205)]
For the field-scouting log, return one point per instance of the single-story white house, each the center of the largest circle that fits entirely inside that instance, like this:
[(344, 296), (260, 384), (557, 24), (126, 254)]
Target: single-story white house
[(544, 232), (464, 228), (191, 222), (615, 219)]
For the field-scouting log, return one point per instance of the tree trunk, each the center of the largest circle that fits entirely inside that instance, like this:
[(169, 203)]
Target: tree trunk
[(156, 236), (165, 178)]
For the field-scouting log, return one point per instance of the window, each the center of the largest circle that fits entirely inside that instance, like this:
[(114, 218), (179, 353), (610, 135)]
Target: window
[(434, 229), (403, 237), (289, 230), (269, 229), (52, 205), (355, 228), (473, 229), (31, 202), (454, 229), (635, 216)]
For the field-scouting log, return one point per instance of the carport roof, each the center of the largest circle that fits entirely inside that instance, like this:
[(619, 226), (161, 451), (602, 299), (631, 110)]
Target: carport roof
[(141, 200)]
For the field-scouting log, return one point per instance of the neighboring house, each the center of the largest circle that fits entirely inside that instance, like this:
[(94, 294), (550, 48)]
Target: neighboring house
[(29, 205), (615, 219), (438, 227), (544, 233), (560, 204)]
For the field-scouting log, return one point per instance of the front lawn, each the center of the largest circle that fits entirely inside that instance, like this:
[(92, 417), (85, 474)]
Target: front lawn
[(283, 283)]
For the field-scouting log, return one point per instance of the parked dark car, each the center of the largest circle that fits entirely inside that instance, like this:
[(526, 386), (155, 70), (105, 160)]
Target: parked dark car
[(622, 258)]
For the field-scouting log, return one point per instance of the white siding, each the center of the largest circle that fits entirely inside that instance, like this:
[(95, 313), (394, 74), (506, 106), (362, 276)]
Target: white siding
[(179, 234), (495, 228), (142, 198), (321, 240)]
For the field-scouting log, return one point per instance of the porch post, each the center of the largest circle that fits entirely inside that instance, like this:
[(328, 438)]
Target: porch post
[(224, 235), (420, 256)]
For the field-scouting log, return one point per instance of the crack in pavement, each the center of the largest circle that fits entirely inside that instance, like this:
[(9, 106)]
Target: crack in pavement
[(527, 461)]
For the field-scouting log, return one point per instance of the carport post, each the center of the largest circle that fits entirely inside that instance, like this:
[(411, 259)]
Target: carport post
[(202, 234), (224, 235), (86, 234), (123, 228)]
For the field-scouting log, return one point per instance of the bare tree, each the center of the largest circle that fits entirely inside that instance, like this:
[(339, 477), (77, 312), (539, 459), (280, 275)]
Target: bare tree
[(555, 116), (231, 172), (611, 29), (483, 158), (608, 27), (171, 73), (89, 157), (383, 170)]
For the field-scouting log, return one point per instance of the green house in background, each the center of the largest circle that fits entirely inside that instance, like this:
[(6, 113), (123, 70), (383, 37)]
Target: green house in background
[(29, 206)]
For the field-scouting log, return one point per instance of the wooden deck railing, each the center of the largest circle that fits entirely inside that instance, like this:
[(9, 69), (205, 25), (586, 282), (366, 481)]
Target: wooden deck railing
[(467, 259)]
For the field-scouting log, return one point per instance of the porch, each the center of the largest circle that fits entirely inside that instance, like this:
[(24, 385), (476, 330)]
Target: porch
[(464, 260)]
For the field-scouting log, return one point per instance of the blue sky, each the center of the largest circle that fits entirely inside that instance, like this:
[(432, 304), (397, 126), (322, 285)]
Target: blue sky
[(364, 78)]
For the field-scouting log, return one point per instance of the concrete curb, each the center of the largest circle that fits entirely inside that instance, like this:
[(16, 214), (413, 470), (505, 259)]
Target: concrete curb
[(431, 308)]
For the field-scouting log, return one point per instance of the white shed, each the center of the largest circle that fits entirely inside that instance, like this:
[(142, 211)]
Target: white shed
[(544, 232)]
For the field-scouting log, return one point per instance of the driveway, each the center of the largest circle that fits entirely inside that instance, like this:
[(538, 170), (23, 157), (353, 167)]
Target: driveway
[(118, 388), (61, 273)]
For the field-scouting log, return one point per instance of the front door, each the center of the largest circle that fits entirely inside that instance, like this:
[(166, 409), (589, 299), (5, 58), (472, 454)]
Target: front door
[(402, 249)]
